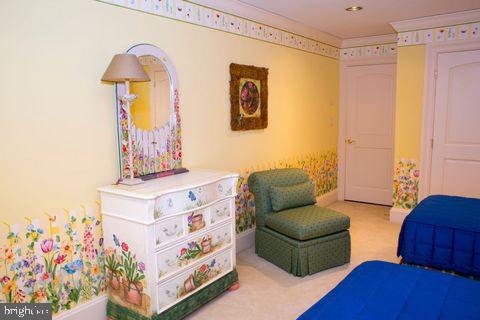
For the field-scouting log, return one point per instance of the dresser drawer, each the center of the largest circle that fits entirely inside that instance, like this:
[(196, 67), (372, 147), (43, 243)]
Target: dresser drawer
[(193, 279), (183, 200), (168, 230), (220, 211), (193, 249), (189, 199)]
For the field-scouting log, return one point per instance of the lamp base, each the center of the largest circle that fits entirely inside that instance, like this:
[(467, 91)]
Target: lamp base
[(131, 181)]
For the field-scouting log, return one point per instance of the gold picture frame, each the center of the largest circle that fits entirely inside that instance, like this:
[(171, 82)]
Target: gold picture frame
[(248, 97)]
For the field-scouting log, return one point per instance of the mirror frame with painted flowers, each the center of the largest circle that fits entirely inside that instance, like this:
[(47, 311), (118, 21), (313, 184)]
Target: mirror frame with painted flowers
[(160, 149)]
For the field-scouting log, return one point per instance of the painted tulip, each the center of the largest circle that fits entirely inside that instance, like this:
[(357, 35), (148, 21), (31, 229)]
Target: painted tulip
[(416, 173), (60, 259), (124, 247), (46, 245)]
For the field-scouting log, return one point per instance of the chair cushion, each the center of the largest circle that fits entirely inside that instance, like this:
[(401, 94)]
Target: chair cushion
[(298, 195), (308, 222)]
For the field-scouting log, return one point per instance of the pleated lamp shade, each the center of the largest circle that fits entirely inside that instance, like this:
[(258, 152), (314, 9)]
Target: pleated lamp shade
[(125, 67)]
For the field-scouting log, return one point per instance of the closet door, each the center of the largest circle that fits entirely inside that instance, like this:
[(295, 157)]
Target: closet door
[(370, 130), (455, 168)]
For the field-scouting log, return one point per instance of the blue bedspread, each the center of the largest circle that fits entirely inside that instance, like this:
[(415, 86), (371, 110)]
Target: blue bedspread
[(383, 290), (443, 232)]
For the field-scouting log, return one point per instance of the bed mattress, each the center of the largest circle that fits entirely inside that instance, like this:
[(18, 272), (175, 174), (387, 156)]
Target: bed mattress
[(443, 232), (383, 290)]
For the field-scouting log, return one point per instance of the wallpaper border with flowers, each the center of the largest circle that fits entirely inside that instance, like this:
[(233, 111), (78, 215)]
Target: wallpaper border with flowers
[(57, 259), (376, 50), (448, 33), (200, 15), (405, 184), (322, 167)]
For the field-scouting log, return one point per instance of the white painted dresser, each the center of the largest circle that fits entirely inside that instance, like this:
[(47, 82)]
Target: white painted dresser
[(167, 238)]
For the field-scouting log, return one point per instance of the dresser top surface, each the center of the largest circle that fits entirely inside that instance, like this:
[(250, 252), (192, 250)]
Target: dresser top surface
[(154, 188)]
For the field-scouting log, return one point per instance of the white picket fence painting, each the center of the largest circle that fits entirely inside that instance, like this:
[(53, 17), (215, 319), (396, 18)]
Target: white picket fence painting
[(152, 149)]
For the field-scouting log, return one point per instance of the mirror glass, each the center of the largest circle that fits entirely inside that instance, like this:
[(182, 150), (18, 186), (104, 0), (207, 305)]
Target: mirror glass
[(152, 107)]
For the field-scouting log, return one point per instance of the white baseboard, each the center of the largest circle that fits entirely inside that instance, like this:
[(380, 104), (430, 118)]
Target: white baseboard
[(96, 309), (328, 198), (397, 215), (245, 240)]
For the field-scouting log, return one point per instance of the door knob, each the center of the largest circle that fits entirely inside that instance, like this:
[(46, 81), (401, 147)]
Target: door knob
[(349, 141)]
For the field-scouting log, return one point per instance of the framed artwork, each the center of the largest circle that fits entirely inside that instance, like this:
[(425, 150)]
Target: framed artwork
[(248, 97)]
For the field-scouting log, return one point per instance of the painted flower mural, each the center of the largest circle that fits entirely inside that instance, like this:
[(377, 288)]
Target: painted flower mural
[(405, 184), (244, 205), (60, 265), (321, 167), (61, 260)]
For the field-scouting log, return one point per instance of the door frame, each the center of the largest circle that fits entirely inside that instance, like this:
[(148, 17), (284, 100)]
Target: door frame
[(433, 50), (342, 113)]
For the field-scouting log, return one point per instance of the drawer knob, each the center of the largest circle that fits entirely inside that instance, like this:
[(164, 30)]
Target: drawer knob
[(170, 263), (170, 233), (170, 294)]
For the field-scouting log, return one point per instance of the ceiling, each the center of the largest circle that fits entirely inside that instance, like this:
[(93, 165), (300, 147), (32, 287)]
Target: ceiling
[(330, 16)]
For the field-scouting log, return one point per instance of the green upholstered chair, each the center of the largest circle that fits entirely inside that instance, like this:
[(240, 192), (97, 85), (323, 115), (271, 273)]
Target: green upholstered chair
[(302, 240)]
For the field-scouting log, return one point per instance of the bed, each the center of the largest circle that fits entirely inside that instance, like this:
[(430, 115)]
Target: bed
[(383, 290), (443, 232)]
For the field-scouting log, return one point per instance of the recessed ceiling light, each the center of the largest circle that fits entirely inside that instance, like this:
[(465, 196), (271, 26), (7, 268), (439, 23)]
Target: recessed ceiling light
[(354, 8)]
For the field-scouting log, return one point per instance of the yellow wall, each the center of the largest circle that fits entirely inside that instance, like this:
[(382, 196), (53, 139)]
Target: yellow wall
[(408, 125), (58, 120), (58, 123), (410, 88), (141, 111)]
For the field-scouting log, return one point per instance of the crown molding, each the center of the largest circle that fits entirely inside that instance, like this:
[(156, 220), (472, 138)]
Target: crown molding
[(437, 21), (368, 41), (256, 14)]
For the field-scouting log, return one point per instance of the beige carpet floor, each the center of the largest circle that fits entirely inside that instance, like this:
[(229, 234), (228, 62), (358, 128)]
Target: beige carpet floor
[(267, 292)]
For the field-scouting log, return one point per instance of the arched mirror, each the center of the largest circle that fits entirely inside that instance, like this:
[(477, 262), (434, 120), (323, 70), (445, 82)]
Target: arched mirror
[(155, 119)]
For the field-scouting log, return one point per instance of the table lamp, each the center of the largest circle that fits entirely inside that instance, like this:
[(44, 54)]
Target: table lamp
[(126, 68)]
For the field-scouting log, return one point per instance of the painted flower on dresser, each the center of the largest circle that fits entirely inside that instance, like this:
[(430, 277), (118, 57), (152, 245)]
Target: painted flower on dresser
[(201, 275), (405, 184), (195, 198), (195, 221), (112, 266), (198, 248), (126, 276), (133, 273), (52, 265)]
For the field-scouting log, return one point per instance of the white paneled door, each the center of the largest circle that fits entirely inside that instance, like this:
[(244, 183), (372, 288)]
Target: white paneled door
[(455, 168), (370, 115)]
